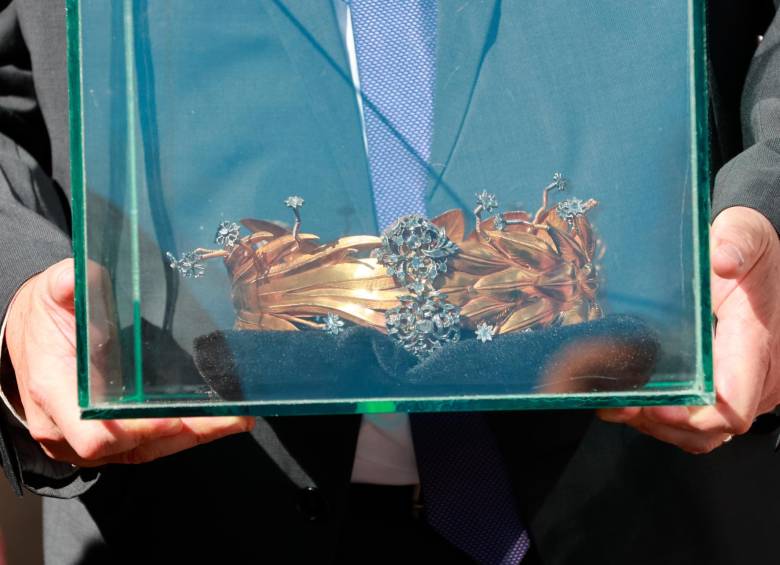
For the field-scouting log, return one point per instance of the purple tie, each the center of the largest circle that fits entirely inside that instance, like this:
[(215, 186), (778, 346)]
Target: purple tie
[(466, 488)]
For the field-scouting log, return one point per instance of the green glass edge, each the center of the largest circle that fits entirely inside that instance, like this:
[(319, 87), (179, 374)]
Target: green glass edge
[(132, 183), (181, 409), (701, 189), (78, 196), (699, 395), (376, 406)]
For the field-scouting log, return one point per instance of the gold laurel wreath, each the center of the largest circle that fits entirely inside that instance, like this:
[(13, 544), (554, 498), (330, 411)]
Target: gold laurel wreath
[(515, 271)]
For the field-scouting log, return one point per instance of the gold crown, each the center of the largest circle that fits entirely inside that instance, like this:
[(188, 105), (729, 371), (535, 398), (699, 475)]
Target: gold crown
[(515, 271)]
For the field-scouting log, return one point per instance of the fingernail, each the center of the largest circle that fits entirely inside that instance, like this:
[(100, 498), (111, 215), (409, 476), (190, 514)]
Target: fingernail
[(732, 252)]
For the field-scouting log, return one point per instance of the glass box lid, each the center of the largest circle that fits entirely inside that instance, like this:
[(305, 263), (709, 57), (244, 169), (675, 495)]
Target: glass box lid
[(281, 209)]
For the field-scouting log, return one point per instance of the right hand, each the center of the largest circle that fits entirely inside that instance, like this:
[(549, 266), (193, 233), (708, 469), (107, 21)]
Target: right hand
[(41, 340)]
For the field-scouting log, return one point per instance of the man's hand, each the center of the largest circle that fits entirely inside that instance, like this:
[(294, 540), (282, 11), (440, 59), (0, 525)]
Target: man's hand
[(746, 354), (41, 340)]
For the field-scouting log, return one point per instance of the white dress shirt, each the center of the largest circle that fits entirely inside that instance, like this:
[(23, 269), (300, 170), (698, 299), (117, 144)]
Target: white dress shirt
[(385, 453), (3, 396)]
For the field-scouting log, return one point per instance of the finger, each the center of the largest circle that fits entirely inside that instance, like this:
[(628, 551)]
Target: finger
[(98, 439), (94, 440), (705, 419), (194, 432), (52, 386), (683, 418), (618, 415), (41, 427), (103, 321), (743, 345), (61, 284), (53, 391), (692, 442), (738, 400), (741, 362), (740, 236), (676, 416), (43, 430), (741, 355), (55, 443), (202, 430)]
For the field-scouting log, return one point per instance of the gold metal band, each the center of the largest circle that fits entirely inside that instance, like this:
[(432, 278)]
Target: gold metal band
[(515, 271)]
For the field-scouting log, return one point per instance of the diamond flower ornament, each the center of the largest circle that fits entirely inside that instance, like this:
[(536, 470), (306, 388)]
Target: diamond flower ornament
[(420, 279), (559, 181), (415, 251), (227, 234), (570, 208), (189, 265), (485, 332), (487, 201), (294, 202), (333, 324), (424, 324)]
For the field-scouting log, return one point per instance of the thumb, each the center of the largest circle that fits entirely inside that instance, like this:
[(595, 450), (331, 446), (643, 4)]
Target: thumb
[(740, 236), (61, 283)]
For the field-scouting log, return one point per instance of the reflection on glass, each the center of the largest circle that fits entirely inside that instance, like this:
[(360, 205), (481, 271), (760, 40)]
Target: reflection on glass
[(516, 288)]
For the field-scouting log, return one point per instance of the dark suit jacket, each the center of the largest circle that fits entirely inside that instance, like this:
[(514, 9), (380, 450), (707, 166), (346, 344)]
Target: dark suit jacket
[(592, 493)]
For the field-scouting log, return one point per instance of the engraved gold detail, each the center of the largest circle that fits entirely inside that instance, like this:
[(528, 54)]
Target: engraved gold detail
[(515, 271)]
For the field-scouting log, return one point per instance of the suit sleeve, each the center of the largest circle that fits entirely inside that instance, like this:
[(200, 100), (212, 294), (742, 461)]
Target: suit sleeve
[(34, 234), (752, 178)]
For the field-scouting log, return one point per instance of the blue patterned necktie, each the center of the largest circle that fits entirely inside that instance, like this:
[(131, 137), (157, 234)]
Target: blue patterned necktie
[(468, 495), (395, 47)]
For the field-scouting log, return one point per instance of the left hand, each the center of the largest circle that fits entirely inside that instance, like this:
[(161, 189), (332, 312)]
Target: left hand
[(746, 351)]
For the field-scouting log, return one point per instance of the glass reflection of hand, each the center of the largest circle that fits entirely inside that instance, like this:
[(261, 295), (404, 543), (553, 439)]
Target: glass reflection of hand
[(41, 340), (746, 353)]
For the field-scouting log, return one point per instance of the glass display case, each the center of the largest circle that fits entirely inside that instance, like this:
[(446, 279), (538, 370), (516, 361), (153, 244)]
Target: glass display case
[(231, 235)]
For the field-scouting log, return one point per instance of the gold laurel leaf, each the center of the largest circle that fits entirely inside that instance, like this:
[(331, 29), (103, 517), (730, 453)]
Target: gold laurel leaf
[(538, 312), (386, 296), (349, 311), (516, 215), (478, 257), (265, 226), (453, 223), (258, 236), (359, 242), (296, 262), (272, 250), (585, 236), (516, 278), (575, 313), (328, 275), (262, 321), (458, 283), (483, 307), (524, 248), (569, 248)]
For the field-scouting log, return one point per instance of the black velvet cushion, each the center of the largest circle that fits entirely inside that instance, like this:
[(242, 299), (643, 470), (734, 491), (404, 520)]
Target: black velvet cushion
[(263, 365), (614, 353)]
